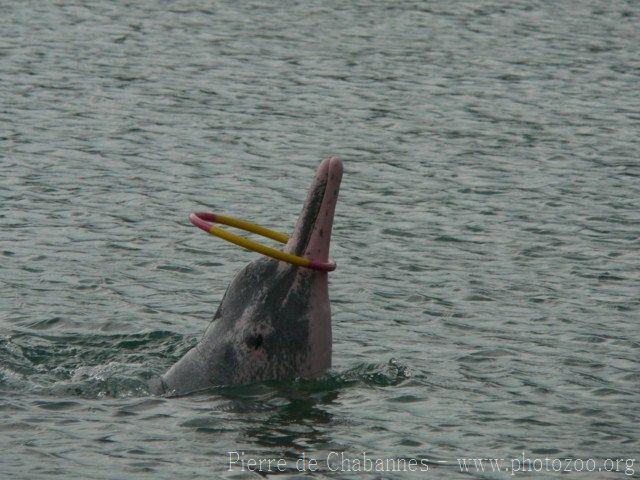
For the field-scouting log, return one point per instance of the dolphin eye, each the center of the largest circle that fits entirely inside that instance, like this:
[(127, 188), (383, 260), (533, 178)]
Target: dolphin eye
[(254, 341)]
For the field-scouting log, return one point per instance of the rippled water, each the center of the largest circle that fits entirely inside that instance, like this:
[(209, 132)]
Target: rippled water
[(486, 300)]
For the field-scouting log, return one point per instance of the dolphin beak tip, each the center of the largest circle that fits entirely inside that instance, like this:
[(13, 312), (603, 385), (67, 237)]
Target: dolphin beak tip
[(312, 233), (335, 166)]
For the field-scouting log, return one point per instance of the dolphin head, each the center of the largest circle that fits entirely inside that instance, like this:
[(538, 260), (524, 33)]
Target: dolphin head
[(274, 321)]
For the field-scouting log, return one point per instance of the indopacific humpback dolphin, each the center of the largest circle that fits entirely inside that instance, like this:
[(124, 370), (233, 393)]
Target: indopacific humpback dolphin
[(274, 321)]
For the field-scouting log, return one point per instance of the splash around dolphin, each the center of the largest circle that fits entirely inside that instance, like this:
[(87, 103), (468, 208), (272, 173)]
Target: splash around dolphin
[(274, 321)]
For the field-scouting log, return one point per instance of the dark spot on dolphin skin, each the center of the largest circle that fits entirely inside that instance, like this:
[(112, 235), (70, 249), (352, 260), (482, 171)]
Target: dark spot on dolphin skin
[(308, 217), (321, 232), (230, 355), (254, 341)]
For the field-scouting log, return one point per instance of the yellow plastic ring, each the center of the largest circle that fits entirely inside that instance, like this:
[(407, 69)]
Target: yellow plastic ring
[(202, 219)]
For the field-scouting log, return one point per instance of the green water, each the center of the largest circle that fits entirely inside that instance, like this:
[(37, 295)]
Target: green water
[(486, 301)]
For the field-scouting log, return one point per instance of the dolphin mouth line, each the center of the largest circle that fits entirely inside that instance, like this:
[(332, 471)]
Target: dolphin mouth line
[(315, 217)]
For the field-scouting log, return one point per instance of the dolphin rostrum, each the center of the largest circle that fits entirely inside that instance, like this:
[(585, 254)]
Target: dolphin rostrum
[(274, 321)]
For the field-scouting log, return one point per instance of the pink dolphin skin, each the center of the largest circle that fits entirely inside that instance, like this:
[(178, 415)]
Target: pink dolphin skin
[(274, 321)]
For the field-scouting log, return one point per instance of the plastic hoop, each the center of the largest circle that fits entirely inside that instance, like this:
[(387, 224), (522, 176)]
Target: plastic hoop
[(202, 219)]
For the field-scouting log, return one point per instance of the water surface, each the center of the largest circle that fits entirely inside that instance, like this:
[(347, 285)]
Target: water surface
[(486, 300)]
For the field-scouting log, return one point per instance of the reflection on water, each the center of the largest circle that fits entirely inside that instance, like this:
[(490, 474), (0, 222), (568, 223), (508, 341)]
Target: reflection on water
[(486, 299)]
